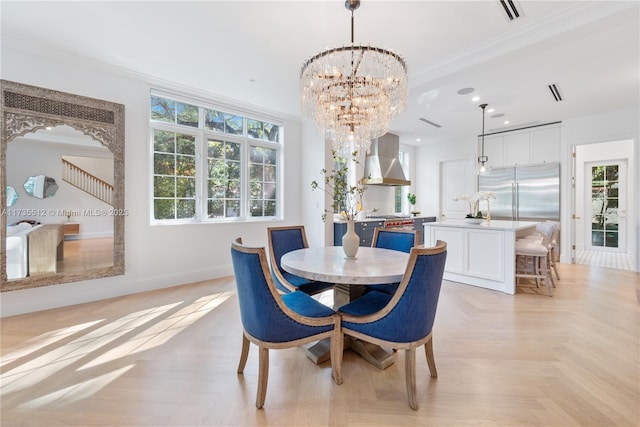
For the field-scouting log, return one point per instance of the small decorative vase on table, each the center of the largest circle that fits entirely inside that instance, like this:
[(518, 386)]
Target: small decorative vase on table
[(350, 240)]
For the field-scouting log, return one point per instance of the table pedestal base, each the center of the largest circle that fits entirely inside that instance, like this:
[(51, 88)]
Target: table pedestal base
[(374, 354), (320, 351)]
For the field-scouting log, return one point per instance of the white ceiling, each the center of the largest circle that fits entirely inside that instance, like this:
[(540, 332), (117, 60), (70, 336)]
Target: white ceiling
[(252, 51)]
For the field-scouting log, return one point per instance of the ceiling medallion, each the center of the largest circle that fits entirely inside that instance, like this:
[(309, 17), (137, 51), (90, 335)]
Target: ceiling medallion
[(353, 92)]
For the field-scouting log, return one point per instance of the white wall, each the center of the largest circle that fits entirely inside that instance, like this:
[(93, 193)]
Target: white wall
[(155, 256)]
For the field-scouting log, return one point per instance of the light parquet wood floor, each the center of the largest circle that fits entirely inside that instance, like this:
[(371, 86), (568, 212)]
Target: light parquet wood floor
[(605, 259), (169, 358)]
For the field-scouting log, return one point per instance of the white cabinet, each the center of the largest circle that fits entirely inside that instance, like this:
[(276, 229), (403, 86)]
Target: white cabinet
[(517, 149), (494, 150), (545, 145), (525, 147), (480, 255)]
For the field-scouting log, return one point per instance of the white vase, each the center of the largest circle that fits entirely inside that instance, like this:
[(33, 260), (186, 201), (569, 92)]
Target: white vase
[(350, 240)]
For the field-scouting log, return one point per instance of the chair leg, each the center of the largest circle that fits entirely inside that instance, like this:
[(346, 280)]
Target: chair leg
[(244, 355), (545, 274), (428, 349), (263, 376), (550, 271), (553, 264), (410, 375), (536, 269), (337, 347)]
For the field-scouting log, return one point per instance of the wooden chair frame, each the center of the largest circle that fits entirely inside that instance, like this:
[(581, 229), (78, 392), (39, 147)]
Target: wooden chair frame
[(263, 346), (409, 347), (274, 262)]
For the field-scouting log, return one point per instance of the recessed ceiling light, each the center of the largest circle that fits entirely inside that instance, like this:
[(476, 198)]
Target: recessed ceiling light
[(417, 139), (506, 122), (465, 91), (490, 110), (475, 99), (49, 128)]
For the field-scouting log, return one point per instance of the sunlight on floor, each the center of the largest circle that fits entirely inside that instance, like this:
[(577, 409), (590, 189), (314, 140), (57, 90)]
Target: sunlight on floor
[(95, 346)]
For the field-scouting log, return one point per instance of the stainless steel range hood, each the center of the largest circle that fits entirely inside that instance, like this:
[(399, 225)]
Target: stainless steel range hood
[(382, 165)]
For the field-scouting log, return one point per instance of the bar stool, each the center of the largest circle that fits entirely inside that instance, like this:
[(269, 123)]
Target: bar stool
[(553, 243), (537, 250)]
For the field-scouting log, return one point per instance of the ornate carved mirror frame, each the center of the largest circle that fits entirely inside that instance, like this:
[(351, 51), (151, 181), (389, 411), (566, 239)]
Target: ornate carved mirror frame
[(26, 109)]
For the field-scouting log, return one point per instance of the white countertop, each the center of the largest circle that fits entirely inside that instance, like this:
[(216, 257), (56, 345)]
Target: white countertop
[(494, 224)]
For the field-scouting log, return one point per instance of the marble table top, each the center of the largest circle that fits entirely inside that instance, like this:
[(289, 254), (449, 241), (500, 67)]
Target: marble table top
[(329, 264)]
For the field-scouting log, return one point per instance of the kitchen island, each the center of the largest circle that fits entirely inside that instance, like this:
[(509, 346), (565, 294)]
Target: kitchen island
[(480, 254)]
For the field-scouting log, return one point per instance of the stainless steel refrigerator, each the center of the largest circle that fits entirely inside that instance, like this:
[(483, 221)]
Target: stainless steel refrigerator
[(523, 192)]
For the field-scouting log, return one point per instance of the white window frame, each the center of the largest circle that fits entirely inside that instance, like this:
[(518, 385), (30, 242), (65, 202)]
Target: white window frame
[(202, 135)]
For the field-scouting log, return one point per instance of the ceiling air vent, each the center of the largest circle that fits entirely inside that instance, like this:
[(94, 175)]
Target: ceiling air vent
[(429, 122), (555, 92), (510, 9)]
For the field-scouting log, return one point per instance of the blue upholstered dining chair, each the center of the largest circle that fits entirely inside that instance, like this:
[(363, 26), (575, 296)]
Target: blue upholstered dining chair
[(397, 240), (286, 239), (273, 320), (403, 320)]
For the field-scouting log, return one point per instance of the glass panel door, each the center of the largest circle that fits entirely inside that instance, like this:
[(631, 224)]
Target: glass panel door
[(607, 223)]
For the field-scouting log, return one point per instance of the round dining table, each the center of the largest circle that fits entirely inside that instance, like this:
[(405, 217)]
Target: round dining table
[(371, 266)]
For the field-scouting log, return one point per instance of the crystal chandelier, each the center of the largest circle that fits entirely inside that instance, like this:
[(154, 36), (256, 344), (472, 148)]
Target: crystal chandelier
[(353, 92)]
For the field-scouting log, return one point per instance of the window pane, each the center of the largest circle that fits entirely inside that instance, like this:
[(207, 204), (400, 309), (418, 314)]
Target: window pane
[(255, 188), (257, 172), (269, 174), (270, 208), (216, 189), (270, 157), (262, 197), (233, 151), (233, 170), (164, 142), (215, 149), (263, 130), (185, 209), (223, 122), (162, 109), (215, 209), (233, 190), (187, 114), (269, 191), (185, 187), (186, 144), (256, 208), (186, 165), (163, 186), (163, 209), (233, 208), (164, 164)]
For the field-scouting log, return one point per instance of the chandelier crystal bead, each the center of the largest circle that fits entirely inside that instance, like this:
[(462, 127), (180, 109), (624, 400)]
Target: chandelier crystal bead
[(353, 92)]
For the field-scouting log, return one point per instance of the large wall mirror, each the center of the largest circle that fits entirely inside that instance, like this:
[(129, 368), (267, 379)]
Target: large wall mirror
[(77, 231)]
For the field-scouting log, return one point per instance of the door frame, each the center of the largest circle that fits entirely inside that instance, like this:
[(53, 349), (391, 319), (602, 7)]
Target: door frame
[(613, 148)]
